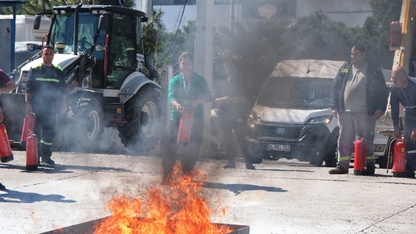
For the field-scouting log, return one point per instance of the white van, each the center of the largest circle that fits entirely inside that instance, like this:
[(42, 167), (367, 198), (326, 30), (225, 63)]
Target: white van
[(291, 117)]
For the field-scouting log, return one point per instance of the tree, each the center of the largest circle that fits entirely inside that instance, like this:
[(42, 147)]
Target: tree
[(177, 42), (154, 39), (163, 48), (31, 7), (376, 31), (318, 37)]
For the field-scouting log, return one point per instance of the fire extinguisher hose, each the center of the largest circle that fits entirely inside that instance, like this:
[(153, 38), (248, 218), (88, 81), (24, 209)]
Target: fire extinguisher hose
[(390, 154)]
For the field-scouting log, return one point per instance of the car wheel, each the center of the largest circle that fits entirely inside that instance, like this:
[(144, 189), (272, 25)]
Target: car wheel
[(382, 162), (256, 160), (317, 158), (331, 158)]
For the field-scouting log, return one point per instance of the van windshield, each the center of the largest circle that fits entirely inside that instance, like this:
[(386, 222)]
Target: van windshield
[(298, 93)]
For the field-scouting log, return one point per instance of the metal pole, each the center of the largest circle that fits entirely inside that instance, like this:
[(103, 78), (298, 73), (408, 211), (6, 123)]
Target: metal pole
[(13, 39)]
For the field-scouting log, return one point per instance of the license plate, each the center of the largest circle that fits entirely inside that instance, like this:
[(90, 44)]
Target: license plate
[(277, 147)]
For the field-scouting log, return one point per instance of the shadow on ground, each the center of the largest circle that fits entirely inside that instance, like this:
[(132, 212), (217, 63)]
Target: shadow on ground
[(13, 196), (239, 188)]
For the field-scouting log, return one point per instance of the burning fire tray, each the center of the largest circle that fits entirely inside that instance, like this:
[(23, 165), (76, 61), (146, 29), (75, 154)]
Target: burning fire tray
[(88, 227)]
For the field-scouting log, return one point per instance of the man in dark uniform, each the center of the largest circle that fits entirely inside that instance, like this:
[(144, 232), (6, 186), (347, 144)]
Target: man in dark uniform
[(358, 99), (233, 109), (6, 85), (404, 91), (44, 95)]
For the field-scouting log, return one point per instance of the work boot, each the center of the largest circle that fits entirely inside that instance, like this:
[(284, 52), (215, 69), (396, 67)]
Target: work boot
[(338, 170), (48, 161), (2, 187), (370, 169), (250, 166), (409, 172)]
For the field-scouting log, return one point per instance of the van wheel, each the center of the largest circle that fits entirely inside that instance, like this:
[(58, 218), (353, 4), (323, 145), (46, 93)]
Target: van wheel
[(317, 158), (382, 161), (256, 160), (331, 158)]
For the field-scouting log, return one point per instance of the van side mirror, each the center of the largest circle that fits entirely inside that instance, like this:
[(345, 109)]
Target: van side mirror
[(36, 24)]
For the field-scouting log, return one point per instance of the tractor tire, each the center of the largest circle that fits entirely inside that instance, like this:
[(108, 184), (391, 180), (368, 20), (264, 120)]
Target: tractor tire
[(84, 131), (143, 114)]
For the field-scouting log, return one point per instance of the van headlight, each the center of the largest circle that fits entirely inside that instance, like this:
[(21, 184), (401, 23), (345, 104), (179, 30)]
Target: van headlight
[(320, 120), (253, 119)]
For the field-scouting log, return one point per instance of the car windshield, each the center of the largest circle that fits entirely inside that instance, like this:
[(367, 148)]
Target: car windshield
[(298, 93)]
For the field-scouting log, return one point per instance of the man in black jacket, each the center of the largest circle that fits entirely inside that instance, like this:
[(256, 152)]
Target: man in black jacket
[(45, 92), (403, 92), (358, 100)]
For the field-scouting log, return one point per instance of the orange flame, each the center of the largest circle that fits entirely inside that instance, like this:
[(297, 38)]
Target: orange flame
[(178, 209)]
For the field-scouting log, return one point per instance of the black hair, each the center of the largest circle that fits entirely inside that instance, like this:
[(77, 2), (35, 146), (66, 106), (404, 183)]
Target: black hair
[(360, 47)]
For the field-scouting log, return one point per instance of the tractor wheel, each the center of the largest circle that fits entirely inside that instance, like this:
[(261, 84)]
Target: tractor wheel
[(143, 114), (84, 131)]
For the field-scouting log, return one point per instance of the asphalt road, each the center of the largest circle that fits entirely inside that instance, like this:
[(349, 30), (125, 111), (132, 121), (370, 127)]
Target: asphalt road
[(284, 196)]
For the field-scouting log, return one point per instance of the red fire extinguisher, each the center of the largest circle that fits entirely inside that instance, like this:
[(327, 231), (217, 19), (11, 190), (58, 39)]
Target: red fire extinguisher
[(6, 153), (359, 157), (399, 159), (185, 125), (28, 126), (32, 159)]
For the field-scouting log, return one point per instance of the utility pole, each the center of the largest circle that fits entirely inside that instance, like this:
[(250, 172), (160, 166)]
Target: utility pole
[(203, 60)]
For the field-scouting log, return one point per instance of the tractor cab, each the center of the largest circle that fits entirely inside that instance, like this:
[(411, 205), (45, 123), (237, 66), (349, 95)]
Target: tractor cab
[(108, 33)]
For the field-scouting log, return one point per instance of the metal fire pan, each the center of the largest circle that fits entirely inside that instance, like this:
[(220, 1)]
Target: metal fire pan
[(88, 227)]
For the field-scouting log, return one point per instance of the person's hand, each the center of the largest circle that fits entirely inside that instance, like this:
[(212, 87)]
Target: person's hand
[(377, 115), (397, 133), (413, 136), (335, 113), (224, 99), (176, 105)]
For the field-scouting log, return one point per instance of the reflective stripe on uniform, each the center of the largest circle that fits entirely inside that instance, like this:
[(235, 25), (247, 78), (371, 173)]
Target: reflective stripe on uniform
[(344, 158), (370, 157), (48, 79), (45, 142)]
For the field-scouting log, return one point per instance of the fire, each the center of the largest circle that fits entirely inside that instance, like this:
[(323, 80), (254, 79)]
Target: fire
[(178, 208)]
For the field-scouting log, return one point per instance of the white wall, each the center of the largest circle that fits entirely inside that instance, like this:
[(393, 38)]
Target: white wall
[(24, 27)]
